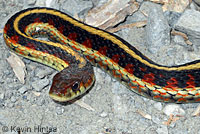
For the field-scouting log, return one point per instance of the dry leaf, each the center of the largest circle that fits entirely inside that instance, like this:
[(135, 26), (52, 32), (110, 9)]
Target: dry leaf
[(84, 105), (175, 5), (18, 67), (136, 24), (185, 37), (111, 13), (36, 93), (171, 119), (160, 1), (147, 116)]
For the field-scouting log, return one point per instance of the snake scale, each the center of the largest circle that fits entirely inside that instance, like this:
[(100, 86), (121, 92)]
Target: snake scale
[(74, 47)]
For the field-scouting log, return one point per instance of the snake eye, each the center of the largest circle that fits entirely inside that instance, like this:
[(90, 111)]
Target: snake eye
[(75, 86)]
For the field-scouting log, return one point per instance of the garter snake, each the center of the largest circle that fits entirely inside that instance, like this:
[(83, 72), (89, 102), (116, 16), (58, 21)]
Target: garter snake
[(73, 39)]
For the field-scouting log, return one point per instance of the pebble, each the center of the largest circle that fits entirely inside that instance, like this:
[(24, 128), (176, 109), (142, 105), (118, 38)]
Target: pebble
[(26, 61), (76, 6), (179, 40), (7, 72), (23, 89), (162, 130), (40, 84), (103, 114), (140, 1), (60, 110), (98, 87), (84, 131), (31, 2), (197, 2), (2, 96), (68, 122), (119, 108), (146, 6), (137, 16), (40, 3), (190, 26), (13, 99), (157, 29), (49, 2), (41, 72), (40, 102), (158, 105), (173, 109), (172, 17), (156, 120), (10, 105)]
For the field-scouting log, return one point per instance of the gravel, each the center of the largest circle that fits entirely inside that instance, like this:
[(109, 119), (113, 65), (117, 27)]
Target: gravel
[(157, 29), (116, 109)]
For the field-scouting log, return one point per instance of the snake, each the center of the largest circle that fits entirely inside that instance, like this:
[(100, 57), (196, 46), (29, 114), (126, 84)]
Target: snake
[(73, 48)]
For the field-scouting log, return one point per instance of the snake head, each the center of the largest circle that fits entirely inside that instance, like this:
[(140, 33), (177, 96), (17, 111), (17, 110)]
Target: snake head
[(71, 82)]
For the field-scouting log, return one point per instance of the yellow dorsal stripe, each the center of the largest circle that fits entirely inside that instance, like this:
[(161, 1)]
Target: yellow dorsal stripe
[(102, 34)]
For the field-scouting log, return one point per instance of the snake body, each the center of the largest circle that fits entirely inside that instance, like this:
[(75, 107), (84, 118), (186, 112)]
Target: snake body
[(73, 39)]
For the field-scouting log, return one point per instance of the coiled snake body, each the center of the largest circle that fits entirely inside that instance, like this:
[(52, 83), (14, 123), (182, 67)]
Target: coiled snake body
[(73, 39)]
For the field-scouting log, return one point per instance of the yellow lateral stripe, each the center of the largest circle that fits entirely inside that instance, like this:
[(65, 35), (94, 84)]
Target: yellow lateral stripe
[(102, 34), (63, 47), (58, 34), (46, 56)]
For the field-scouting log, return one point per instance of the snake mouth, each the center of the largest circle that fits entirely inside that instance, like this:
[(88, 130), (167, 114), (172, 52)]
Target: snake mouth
[(72, 91), (67, 96)]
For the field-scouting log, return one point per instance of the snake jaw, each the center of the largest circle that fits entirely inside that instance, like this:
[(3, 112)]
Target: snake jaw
[(64, 90)]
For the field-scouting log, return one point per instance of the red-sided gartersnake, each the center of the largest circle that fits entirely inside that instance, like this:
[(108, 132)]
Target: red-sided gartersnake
[(179, 84)]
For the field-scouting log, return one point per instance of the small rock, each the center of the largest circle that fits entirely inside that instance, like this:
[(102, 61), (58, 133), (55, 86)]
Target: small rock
[(137, 16), (173, 109), (98, 87), (7, 72), (31, 2), (40, 3), (23, 89), (146, 6), (13, 99), (189, 23), (103, 114), (76, 6), (68, 122), (158, 106), (140, 1), (85, 131), (2, 96), (10, 105), (172, 17), (194, 6), (41, 73), (119, 108), (162, 130), (26, 61), (156, 120), (24, 97), (179, 40), (40, 102), (197, 2), (157, 29), (60, 110), (40, 84)]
